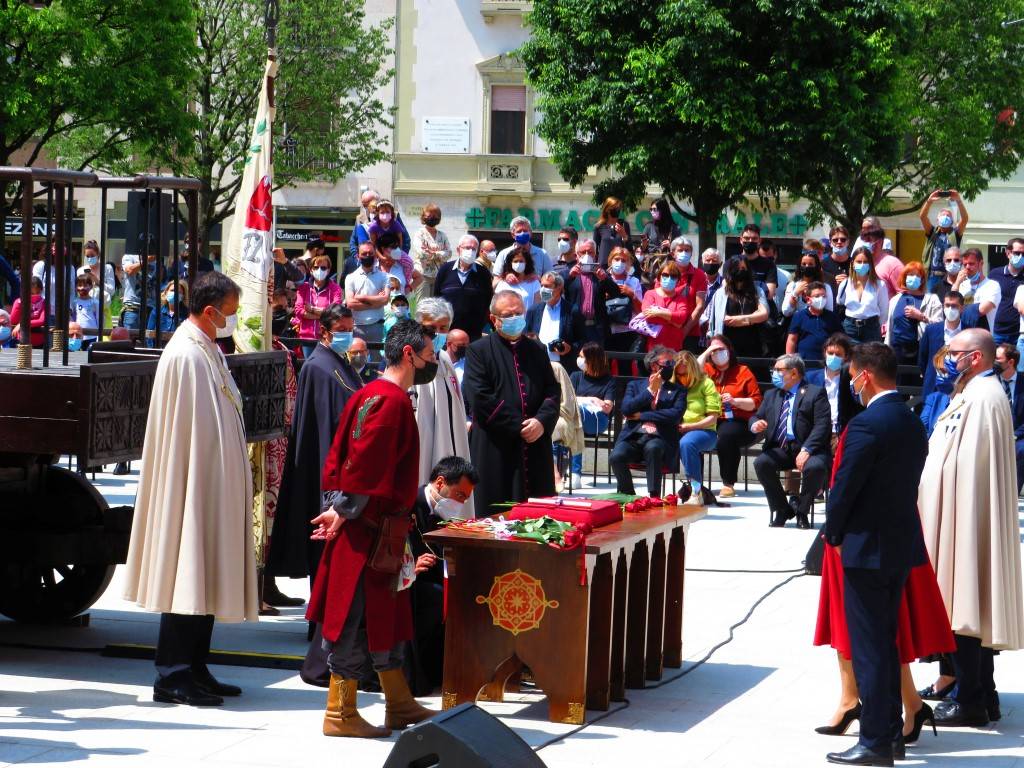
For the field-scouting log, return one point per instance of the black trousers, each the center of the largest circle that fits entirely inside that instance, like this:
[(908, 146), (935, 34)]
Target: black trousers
[(425, 660), (184, 641), (649, 450), (733, 436), (872, 600), (974, 666), (813, 476), (349, 656)]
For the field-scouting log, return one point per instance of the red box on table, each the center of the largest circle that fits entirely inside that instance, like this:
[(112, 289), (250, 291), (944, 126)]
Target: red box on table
[(568, 510)]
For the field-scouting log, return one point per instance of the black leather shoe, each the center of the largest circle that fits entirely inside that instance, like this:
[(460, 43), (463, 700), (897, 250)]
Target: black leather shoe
[(992, 705), (844, 723), (207, 682), (273, 596), (899, 748), (954, 714), (181, 688), (802, 522), (121, 468), (859, 755), (931, 694), (778, 520)]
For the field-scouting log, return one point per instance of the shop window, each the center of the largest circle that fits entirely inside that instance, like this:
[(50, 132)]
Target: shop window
[(508, 120)]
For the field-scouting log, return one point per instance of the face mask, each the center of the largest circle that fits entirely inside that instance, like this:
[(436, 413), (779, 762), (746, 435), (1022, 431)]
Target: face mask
[(467, 256), (667, 371), (523, 238), (320, 274), (341, 341), (840, 250), (586, 259), (92, 261), (439, 341), (513, 326), (1017, 260), (668, 283), (279, 322), (367, 261), (951, 366), (449, 509), (862, 268), (656, 215), (546, 294), (711, 269), (384, 218), (74, 345), (778, 380), (833, 362), (519, 267), (581, 363), (858, 396), (683, 258), (619, 267), (563, 246), (749, 248), (720, 356), (5, 333), (426, 374), (432, 221), (456, 353), (818, 302), (357, 360), (952, 314), (913, 282), (230, 323), (945, 222), (401, 312), (953, 267)]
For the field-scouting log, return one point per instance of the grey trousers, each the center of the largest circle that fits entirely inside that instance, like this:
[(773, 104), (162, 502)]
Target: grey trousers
[(347, 657)]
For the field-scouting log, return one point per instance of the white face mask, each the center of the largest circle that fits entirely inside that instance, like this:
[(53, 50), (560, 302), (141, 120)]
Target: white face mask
[(720, 356), (581, 363), (818, 302), (952, 314), (563, 246), (230, 323), (449, 509), (519, 267), (586, 259), (320, 274), (467, 255)]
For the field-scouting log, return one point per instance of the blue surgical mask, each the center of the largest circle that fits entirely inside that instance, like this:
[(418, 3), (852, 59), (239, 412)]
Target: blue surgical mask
[(440, 339), (1016, 260), (778, 380), (683, 258), (513, 326), (619, 267), (92, 261), (946, 221), (546, 294), (840, 250), (953, 267), (858, 396), (668, 284), (74, 345), (522, 238), (401, 313), (913, 282), (5, 333), (833, 362), (341, 341), (862, 268)]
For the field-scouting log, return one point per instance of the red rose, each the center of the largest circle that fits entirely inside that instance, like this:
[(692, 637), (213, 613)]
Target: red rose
[(671, 499), (631, 507)]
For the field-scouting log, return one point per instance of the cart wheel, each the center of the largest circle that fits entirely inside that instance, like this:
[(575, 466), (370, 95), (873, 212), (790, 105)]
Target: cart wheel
[(37, 594)]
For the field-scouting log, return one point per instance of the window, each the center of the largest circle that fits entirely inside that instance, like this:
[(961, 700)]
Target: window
[(508, 120)]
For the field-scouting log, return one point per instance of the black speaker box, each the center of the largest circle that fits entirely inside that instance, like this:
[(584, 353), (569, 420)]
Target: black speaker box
[(158, 212), (463, 737)]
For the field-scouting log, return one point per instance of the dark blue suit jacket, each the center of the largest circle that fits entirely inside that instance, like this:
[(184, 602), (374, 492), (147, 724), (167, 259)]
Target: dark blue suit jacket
[(872, 507), (667, 414), (570, 327), (848, 406), (1018, 407)]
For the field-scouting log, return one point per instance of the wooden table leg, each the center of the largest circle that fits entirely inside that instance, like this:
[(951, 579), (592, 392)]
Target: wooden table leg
[(599, 640), (616, 677), (656, 610), (636, 617), (676, 571)]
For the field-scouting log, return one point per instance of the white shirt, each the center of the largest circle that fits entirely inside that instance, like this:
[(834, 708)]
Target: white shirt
[(550, 328), (883, 393), (986, 290), (50, 292), (832, 391), (948, 334), (1017, 298), (873, 301), (541, 260), (789, 308), (526, 289), (460, 369), (359, 283)]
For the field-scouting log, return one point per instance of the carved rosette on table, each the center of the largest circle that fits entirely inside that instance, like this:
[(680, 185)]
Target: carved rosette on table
[(576, 713), (449, 700), (517, 602)]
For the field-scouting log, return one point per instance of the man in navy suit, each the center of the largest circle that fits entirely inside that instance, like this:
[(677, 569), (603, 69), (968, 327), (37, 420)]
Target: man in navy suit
[(555, 322), (1007, 358), (938, 335), (467, 287), (797, 423), (872, 519), (652, 410)]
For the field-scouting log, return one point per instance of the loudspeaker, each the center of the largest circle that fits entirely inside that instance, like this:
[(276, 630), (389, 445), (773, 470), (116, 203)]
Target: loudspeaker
[(814, 557), (463, 737), (157, 212)]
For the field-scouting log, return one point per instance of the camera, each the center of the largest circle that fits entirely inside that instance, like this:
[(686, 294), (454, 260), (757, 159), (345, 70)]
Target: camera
[(943, 193), (556, 345)]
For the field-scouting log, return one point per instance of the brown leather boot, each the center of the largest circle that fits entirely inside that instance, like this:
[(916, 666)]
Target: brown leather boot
[(401, 709), (342, 718)]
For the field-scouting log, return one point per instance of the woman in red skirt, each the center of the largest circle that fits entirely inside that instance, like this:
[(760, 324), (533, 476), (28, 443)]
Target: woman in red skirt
[(923, 630)]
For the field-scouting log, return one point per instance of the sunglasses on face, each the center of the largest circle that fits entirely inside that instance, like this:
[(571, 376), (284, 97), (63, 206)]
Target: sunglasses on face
[(840, 240)]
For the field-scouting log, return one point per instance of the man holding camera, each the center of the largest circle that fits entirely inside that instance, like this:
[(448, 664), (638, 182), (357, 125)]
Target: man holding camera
[(946, 233), (555, 322)]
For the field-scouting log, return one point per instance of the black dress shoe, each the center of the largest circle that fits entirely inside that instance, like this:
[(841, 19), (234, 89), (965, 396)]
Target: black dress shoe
[(859, 755), (931, 694), (954, 714), (992, 705), (802, 522), (778, 520), (843, 725), (273, 596), (207, 682), (181, 688), (121, 468), (899, 748)]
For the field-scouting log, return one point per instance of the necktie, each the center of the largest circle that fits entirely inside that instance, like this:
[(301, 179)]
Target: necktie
[(781, 429), (1006, 389)]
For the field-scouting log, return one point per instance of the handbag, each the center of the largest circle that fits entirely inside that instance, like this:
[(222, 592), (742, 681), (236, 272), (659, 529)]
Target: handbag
[(389, 545), (620, 310)]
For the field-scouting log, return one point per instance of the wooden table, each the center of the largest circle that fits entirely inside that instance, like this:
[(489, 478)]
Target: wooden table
[(518, 603)]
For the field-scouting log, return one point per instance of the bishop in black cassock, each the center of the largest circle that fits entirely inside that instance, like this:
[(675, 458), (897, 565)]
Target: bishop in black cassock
[(508, 381)]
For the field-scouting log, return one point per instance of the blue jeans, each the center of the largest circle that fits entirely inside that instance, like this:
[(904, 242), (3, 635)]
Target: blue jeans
[(691, 446), (593, 424), (863, 330), (130, 320), (1020, 348)]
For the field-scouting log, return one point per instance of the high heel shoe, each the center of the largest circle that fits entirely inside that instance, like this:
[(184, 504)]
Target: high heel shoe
[(924, 715), (838, 730)]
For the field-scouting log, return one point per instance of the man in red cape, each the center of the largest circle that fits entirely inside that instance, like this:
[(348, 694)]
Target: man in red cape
[(369, 488)]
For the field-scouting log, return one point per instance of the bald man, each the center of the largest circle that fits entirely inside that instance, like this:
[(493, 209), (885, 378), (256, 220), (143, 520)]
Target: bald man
[(458, 342), (358, 355)]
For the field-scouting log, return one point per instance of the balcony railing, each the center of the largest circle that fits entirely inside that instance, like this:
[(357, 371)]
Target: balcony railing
[(491, 8)]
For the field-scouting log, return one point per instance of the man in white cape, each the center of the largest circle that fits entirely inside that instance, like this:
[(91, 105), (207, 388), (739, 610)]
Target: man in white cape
[(192, 555), (440, 409), (968, 500)]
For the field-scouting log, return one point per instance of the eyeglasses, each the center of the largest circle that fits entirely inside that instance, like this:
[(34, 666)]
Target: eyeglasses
[(780, 370), (840, 240)]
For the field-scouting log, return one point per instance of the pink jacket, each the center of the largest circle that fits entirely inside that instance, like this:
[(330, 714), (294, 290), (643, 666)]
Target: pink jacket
[(308, 296)]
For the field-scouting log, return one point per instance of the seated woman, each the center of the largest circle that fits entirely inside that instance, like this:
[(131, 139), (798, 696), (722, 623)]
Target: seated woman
[(700, 419), (595, 394), (741, 397)]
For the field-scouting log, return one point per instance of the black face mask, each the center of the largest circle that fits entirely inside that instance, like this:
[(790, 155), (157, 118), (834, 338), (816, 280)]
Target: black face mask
[(432, 221), (426, 374), (666, 373), (615, 212), (711, 269), (279, 321), (456, 353), (367, 261), (749, 248)]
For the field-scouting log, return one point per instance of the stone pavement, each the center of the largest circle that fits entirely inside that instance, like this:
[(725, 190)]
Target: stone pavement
[(753, 702)]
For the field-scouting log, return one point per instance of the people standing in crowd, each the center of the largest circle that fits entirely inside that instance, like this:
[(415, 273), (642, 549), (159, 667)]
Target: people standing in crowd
[(946, 233), (968, 486), (91, 255), (864, 297), (365, 619), (665, 310), (651, 412), (195, 483), (397, 264), (458, 343), (762, 269), (555, 323), (808, 271), (440, 407), (131, 305), (466, 285), (388, 222), (513, 400), (1007, 362), (397, 310), (932, 305), (595, 394), (361, 230), (906, 321), (836, 265), (366, 294), (889, 269), (611, 230), (981, 294), (589, 288), (796, 421), (813, 325), (936, 335), (521, 231), (37, 314), (1006, 327), (692, 288), (359, 358), (740, 309), (834, 378), (430, 247), (741, 397), (567, 437), (173, 298), (519, 276), (567, 240), (488, 255), (623, 308), (661, 230), (874, 536), (311, 299), (700, 420), (86, 308)]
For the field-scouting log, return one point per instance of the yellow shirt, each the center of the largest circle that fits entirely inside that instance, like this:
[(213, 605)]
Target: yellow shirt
[(702, 400)]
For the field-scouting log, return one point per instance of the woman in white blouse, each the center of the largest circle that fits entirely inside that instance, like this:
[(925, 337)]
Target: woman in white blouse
[(865, 298)]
